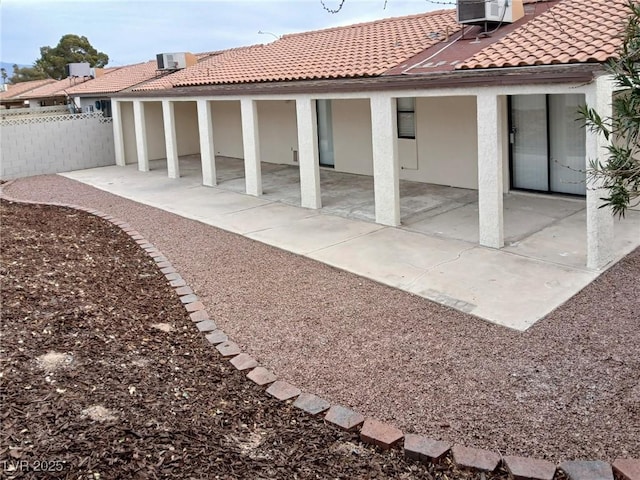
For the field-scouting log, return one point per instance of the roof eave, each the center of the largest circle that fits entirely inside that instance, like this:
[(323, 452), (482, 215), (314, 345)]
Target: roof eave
[(544, 74)]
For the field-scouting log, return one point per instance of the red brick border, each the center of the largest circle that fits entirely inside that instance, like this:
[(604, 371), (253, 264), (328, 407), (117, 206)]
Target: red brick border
[(372, 431)]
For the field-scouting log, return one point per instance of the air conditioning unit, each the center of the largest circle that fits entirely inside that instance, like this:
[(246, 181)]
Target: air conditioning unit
[(78, 70), (481, 11), (175, 61)]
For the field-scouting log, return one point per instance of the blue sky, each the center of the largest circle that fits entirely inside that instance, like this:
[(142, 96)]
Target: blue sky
[(134, 31)]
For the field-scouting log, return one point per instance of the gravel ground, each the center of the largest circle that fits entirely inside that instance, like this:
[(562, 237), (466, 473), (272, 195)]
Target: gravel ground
[(568, 388), (103, 375)]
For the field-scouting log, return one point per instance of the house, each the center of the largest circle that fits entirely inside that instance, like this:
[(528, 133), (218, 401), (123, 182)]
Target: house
[(482, 100), (9, 96)]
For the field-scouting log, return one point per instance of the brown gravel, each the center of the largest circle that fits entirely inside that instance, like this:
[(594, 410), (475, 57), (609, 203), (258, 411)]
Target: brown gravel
[(115, 398), (568, 388)]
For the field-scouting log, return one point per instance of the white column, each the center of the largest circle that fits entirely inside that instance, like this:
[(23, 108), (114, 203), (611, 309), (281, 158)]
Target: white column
[(600, 223), (386, 170), (141, 136), (118, 139), (207, 149), (251, 143), (308, 153), (490, 184), (169, 118)]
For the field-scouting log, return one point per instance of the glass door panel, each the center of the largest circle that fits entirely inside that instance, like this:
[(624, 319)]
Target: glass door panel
[(529, 142), (325, 133), (567, 145)]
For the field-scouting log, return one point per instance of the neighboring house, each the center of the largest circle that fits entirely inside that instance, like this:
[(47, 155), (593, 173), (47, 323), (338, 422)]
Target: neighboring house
[(487, 105), (96, 95), (9, 97)]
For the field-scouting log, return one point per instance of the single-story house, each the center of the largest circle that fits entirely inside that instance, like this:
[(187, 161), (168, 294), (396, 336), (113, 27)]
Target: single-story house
[(483, 96), (10, 93)]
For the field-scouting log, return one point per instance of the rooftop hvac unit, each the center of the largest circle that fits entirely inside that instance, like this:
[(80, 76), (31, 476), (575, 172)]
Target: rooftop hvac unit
[(175, 61), (78, 70), (482, 11)]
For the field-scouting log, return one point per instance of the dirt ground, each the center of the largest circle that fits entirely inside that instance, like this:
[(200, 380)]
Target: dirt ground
[(104, 376)]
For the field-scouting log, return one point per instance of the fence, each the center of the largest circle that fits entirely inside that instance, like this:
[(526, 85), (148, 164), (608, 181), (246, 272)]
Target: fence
[(7, 114), (36, 144)]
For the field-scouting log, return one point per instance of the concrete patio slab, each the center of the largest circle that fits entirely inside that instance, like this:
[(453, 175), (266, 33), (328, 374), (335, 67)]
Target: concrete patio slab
[(269, 216), (314, 233), (434, 254), (509, 290)]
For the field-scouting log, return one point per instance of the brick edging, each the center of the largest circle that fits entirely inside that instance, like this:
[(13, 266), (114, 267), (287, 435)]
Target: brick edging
[(371, 431)]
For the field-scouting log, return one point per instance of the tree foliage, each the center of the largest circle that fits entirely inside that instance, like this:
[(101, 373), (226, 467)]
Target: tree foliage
[(51, 64), (619, 173), (26, 74)]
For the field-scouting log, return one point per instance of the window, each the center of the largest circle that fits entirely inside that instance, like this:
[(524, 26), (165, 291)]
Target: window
[(406, 108)]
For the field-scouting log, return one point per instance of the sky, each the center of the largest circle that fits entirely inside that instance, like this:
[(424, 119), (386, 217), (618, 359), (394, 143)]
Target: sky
[(132, 31)]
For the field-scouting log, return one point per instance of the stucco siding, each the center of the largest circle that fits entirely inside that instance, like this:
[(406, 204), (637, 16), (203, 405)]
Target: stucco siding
[(188, 138), (447, 142), (278, 131), (227, 128), (128, 132), (155, 130), (352, 145)]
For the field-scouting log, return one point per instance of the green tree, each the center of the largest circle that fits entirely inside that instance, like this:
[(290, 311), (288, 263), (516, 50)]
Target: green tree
[(70, 49), (3, 73), (26, 74), (619, 174)]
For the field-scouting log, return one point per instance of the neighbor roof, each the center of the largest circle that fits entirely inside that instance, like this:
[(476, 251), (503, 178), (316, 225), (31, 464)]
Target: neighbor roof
[(573, 31), (361, 50), (53, 89), (117, 80), (14, 90), (207, 61)]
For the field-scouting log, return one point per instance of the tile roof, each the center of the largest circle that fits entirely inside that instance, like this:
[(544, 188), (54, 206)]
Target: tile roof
[(13, 90), (573, 31), (207, 61), (117, 80), (53, 89), (360, 50)]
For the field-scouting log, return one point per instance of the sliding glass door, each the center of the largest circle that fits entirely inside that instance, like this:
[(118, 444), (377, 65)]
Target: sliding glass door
[(547, 144)]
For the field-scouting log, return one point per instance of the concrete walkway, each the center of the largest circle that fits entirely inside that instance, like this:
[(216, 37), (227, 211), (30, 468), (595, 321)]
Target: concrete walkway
[(434, 254)]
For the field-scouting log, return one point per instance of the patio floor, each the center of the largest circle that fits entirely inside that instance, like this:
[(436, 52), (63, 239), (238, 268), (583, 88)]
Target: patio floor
[(433, 254)]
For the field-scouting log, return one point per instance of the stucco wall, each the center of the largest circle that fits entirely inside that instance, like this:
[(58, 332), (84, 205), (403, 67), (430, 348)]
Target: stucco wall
[(155, 130), (128, 132), (36, 146), (278, 132), (188, 138), (352, 145), (447, 142), (227, 128)]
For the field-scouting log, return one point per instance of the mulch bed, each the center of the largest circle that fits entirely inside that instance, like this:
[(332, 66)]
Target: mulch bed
[(104, 375)]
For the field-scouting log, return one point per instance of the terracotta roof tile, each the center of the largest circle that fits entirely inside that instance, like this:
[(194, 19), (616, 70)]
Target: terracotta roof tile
[(53, 89), (359, 50), (207, 61), (573, 31), (117, 80), (14, 90)]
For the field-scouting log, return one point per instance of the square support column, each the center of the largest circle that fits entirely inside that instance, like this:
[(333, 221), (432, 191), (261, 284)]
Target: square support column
[(207, 149), (490, 184), (118, 138), (141, 135), (251, 143), (600, 221), (308, 153), (169, 118), (386, 170)]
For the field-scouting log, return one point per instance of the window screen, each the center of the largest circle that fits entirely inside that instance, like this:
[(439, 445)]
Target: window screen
[(406, 117)]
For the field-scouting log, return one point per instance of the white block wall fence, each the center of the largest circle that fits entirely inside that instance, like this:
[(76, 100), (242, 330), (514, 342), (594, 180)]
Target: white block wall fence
[(37, 145)]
